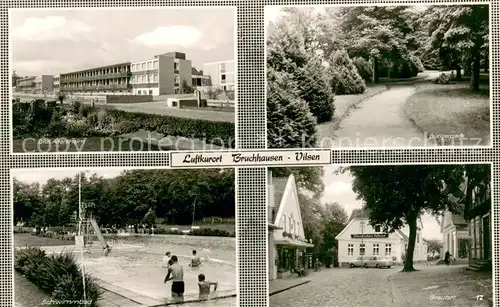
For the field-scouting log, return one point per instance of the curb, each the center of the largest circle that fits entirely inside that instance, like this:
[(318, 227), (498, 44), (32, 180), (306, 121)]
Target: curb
[(288, 288), (346, 113)]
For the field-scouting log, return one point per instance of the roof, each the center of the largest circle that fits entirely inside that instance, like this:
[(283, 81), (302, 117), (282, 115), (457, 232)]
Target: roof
[(279, 184), (458, 219)]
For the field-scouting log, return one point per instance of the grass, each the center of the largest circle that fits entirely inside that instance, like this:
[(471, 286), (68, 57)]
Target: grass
[(27, 294), (343, 105), (91, 144), (227, 227), (452, 110), (26, 239)]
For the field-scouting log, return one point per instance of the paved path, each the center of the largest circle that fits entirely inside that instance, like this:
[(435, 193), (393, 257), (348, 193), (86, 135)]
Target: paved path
[(344, 287), (379, 122)]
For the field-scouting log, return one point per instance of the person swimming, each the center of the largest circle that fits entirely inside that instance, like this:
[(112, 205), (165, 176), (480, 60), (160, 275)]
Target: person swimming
[(204, 287), (166, 259), (176, 274), (195, 260)]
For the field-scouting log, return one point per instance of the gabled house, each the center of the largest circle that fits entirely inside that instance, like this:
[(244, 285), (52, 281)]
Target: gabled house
[(359, 238), (287, 242), (455, 232)]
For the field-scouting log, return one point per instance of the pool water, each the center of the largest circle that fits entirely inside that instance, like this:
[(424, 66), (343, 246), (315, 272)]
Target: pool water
[(138, 268)]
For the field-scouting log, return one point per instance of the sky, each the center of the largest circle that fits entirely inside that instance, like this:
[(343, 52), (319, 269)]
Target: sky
[(53, 41), (338, 188), (42, 175)]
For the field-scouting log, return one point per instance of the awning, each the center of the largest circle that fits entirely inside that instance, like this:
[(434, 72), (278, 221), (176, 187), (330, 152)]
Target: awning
[(271, 226), (293, 243)]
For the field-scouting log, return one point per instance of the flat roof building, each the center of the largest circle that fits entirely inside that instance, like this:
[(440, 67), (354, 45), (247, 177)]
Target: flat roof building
[(222, 74), (35, 84), (106, 79)]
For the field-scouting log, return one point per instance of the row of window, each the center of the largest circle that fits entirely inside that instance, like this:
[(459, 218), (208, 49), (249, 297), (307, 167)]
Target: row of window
[(144, 79), (362, 249), (144, 65), (290, 225)]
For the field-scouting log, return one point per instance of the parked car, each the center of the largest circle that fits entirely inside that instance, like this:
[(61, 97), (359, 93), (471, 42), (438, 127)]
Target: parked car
[(357, 263), (378, 262)]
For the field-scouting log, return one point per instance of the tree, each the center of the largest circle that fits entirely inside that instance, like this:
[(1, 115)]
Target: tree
[(460, 34), (307, 178), (344, 76), (295, 52), (61, 96), (185, 88), (290, 123), (434, 246), (396, 195), (150, 218)]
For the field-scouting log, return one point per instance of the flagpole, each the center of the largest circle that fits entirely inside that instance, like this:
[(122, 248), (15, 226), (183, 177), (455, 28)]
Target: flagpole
[(80, 214)]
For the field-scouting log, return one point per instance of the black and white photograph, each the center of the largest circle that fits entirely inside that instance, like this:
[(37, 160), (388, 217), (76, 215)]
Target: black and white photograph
[(382, 235), (122, 79), (112, 237), (378, 76)]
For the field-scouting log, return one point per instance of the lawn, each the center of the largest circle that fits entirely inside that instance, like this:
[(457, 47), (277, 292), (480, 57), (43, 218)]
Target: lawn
[(343, 105), (27, 294), (452, 110), (26, 239), (90, 144)]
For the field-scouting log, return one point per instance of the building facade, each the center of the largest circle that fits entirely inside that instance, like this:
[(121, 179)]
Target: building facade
[(222, 74), (359, 238), (478, 215), (164, 74), (287, 242), (57, 79), (26, 84), (455, 232), (112, 79)]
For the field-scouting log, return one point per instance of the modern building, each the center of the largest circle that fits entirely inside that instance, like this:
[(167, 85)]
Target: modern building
[(478, 215), (455, 232), (166, 73), (106, 79), (359, 238), (57, 79), (36, 84), (222, 74), (287, 242), (26, 84)]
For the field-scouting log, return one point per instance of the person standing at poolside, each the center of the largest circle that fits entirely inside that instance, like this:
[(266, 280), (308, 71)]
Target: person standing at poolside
[(204, 287), (176, 274), (195, 260)]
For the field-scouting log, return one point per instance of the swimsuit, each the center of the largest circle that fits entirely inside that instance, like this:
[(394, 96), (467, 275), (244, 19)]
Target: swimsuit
[(178, 287)]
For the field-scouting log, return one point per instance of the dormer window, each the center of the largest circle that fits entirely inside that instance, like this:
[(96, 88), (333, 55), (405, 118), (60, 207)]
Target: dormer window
[(377, 228)]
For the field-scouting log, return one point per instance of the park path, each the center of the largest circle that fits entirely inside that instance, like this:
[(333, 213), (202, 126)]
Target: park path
[(379, 122)]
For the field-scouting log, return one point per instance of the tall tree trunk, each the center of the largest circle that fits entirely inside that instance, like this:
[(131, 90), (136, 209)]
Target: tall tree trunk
[(486, 62), (375, 70), (459, 72), (412, 223), (475, 69)]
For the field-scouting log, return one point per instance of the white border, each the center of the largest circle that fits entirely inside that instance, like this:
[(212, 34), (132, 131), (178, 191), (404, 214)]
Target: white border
[(84, 169), (205, 7), (457, 3), (492, 209)]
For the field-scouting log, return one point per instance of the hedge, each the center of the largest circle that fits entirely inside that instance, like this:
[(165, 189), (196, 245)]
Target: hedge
[(58, 275), (40, 119)]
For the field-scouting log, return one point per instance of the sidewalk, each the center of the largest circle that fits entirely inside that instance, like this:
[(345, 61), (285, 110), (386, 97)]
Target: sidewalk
[(442, 286), (279, 285)]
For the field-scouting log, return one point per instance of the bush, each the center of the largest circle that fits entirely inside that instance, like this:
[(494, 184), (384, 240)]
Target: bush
[(442, 79), (417, 63), (344, 76), (57, 274), (209, 232), (314, 89), (364, 68), (289, 119), (125, 127)]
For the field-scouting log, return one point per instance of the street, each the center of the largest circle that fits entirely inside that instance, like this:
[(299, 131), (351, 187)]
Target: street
[(431, 286)]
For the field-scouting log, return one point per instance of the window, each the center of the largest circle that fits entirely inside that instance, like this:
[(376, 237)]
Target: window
[(362, 249), (223, 67), (150, 92), (176, 66), (155, 78), (283, 222), (138, 92), (132, 67), (375, 250), (377, 228), (350, 249), (150, 65), (223, 77), (388, 249), (143, 66), (176, 79), (418, 238), (155, 64)]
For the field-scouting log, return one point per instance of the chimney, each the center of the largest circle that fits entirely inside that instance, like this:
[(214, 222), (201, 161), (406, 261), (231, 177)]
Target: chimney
[(270, 196)]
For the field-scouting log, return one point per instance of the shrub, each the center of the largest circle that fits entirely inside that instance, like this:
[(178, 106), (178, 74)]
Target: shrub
[(289, 120), (344, 77), (314, 89), (364, 68), (57, 274), (75, 107), (209, 232), (442, 79), (417, 63), (125, 126)]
